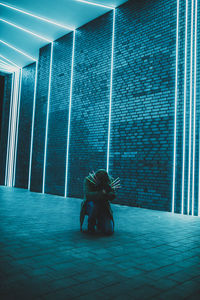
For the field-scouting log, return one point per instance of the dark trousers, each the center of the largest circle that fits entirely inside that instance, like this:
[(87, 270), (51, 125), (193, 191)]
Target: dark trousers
[(99, 217)]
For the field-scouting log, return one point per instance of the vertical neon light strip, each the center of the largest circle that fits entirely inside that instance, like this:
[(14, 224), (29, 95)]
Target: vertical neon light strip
[(9, 130), (69, 116), (194, 121), (17, 126), (47, 121), (13, 132), (32, 129), (14, 120), (111, 85), (175, 117), (184, 117), (199, 177), (10, 154), (190, 124)]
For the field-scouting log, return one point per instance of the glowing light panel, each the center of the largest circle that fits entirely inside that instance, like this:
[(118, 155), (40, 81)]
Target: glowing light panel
[(69, 116), (9, 61), (175, 118), (184, 116), (95, 4), (21, 52), (194, 119), (13, 129), (37, 17), (190, 122), (17, 128), (26, 30), (9, 129), (111, 85)]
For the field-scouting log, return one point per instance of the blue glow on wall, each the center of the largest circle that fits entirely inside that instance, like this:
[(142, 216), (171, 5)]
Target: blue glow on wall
[(111, 88), (69, 115), (32, 127), (47, 121), (187, 107), (13, 129), (175, 117), (185, 155)]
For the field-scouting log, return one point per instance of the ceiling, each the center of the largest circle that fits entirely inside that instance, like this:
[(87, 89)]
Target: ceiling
[(48, 19)]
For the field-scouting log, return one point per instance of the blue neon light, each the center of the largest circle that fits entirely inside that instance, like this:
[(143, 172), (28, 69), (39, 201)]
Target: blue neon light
[(69, 116), (175, 118), (95, 4), (47, 121), (32, 128), (111, 85), (190, 122), (26, 30), (184, 117), (194, 119), (19, 51), (37, 17)]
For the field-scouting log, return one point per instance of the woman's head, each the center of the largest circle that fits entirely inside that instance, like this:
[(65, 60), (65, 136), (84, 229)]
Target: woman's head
[(102, 176)]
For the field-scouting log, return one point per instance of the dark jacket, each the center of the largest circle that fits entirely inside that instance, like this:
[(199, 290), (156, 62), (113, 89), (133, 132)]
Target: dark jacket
[(95, 193)]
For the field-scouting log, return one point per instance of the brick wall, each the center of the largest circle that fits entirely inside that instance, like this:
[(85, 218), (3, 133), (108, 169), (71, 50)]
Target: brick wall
[(40, 119), (90, 102), (58, 116), (25, 126), (143, 103), (187, 174), (4, 126), (142, 120)]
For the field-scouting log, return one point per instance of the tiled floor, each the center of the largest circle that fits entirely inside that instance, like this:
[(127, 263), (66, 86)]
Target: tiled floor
[(43, 255)]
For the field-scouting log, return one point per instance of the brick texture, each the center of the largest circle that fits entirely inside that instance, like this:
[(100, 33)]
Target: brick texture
[(90, 102), (58, 116), (143, 106), (40, 119), (25, 126), (4, 126), (143, 103)]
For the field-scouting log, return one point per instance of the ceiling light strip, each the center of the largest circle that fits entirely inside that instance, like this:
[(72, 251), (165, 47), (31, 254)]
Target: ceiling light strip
[(175, 116), (111, 87), (37, 17), (19, 51), (26, 30), (69, 116), (47, 122), (5, 70), (9, 61), (3, 62), (96, 4), (32, 128), (190, 120)]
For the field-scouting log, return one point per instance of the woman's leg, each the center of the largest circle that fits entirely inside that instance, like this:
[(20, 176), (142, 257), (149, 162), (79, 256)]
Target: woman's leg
[(91, 212), (106, 225)]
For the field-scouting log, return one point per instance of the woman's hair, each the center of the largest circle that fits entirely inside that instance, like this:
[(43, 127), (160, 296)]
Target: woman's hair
[(102, 176)]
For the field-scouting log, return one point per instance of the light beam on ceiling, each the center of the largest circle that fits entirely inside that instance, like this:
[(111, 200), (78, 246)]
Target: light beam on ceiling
[(95, 4), (19, 51), (26, 30), (37, 17)]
